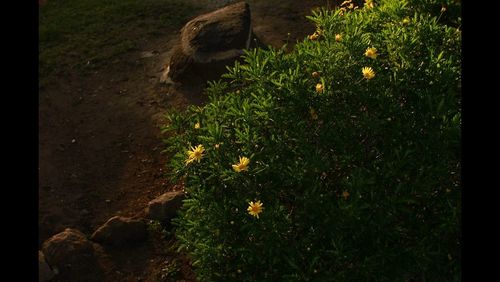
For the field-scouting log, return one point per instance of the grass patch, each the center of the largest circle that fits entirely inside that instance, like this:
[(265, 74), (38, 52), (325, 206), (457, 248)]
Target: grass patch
[(84, 35)]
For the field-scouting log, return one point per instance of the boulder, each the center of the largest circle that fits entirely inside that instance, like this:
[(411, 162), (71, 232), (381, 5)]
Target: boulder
[(210, 42), (119, 230), (73, 256), (45, 273), (165, 206)]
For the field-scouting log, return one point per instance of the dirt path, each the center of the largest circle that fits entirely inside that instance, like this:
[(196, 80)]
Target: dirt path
[(99, 136)]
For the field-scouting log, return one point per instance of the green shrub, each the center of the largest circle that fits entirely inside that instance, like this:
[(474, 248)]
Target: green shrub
[(359, 178), (447, 11)]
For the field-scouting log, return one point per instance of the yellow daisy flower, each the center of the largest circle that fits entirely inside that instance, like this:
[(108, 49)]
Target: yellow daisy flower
[(319, 88), (197, 125), (338, 37), (371, 52), (242, 165), (368, 73), (195, 154), (314, 36), (255, 208), (406, 20)]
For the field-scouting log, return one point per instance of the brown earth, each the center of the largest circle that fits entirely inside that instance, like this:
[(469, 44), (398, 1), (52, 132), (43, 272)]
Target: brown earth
[(100, 142)]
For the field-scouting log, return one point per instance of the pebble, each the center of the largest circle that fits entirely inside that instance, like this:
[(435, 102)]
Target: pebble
[(147, 54)]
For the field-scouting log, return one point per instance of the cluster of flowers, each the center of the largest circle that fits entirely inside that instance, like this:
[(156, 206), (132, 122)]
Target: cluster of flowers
[(197, 153), (349, 6), (368, 72), (371, 52)]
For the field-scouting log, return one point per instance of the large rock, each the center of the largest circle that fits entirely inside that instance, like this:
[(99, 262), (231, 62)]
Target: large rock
[(119, 230), (45, 273), (210, 42), (73, 256), (165, 207)]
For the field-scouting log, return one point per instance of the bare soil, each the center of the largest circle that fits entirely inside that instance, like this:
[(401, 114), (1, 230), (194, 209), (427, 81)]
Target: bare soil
[(100, 142)]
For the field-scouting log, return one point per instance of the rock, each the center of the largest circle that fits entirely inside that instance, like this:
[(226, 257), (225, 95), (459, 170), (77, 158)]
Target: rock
[(210, 42), (73, 256), (164, 78), (45, 273), (165, 206), (119, 230)]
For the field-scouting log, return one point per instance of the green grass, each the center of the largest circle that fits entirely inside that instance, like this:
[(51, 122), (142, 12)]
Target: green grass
[(84, 35)]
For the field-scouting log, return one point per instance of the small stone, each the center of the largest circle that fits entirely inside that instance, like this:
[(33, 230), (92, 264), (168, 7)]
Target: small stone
[(73, 141), (72, 256), (119, 230), (165, 206), (147, 54)]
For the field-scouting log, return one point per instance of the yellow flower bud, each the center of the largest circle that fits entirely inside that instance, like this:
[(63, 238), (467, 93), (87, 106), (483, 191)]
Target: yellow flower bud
[(319, 88)]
